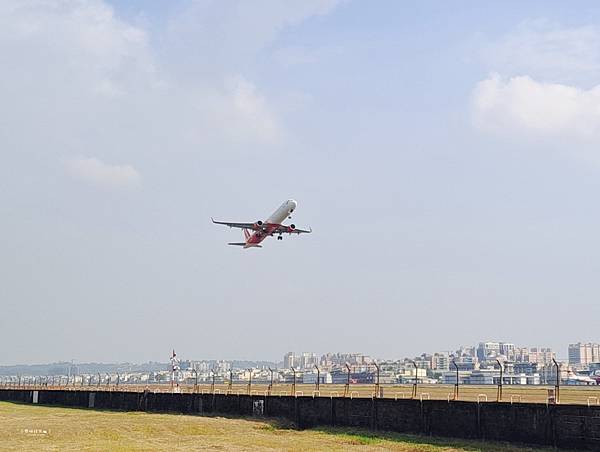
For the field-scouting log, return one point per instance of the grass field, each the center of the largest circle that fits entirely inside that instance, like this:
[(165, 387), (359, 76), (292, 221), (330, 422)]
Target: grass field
[(29, 427)]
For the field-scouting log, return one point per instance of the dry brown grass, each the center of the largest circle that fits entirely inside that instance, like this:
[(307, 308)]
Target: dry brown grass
[(33, 427)]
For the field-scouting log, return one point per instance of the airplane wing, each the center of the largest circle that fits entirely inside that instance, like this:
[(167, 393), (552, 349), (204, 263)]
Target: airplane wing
[(235, 225), (279, 229), (282, 229)]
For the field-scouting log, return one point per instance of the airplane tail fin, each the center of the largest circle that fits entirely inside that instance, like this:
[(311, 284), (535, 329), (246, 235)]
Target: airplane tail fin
[(246, 236)]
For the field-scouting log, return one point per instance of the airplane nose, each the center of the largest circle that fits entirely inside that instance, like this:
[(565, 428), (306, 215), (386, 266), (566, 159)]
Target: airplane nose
[(293, 203)]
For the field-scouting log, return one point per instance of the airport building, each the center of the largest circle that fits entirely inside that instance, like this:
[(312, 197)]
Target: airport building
[(490, 377), (311, 378)]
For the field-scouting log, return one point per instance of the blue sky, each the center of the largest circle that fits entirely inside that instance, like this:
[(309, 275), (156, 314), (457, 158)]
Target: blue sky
[(445, 155)]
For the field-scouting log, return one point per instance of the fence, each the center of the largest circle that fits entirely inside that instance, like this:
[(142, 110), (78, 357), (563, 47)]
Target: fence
[(582, 395)]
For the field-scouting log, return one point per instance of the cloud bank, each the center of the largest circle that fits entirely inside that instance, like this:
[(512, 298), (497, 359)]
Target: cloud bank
[(543, 85), (543, 109)]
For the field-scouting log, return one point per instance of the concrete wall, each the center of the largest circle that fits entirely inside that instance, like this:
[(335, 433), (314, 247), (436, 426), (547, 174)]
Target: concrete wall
[(565, 426)]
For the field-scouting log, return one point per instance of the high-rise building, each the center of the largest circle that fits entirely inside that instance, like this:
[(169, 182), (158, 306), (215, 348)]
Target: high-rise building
[(308, 360), (508, 350), (486, 350), (289, 360), (521, 355), (584, 354), (423, 361), (440, 362), (541, 355)]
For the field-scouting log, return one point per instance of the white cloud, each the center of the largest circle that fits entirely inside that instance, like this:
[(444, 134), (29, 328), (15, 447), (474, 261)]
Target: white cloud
[(73, 41), (540, 109), (548, 87), (97, 173), (548, 52)]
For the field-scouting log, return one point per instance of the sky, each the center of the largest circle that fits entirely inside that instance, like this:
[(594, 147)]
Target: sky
[(446, 155)]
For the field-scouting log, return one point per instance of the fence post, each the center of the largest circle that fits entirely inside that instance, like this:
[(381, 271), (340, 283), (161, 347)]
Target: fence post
[(456, 383), (499, 395), (250, 382), (294, 383), (212, 385), (557, 384), (377, 382), (196, 379), (347, 387), (270, 388), (230, 386), (318, 383), (415, 385)]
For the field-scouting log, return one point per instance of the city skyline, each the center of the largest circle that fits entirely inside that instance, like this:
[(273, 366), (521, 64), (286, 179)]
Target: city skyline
[(517, 350)]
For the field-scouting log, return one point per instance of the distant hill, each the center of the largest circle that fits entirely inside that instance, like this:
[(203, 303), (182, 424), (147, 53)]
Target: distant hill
[(65, 368)]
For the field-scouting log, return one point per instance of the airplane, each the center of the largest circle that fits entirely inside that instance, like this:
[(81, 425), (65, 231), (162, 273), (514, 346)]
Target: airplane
[(575, 379), (271, 226)]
